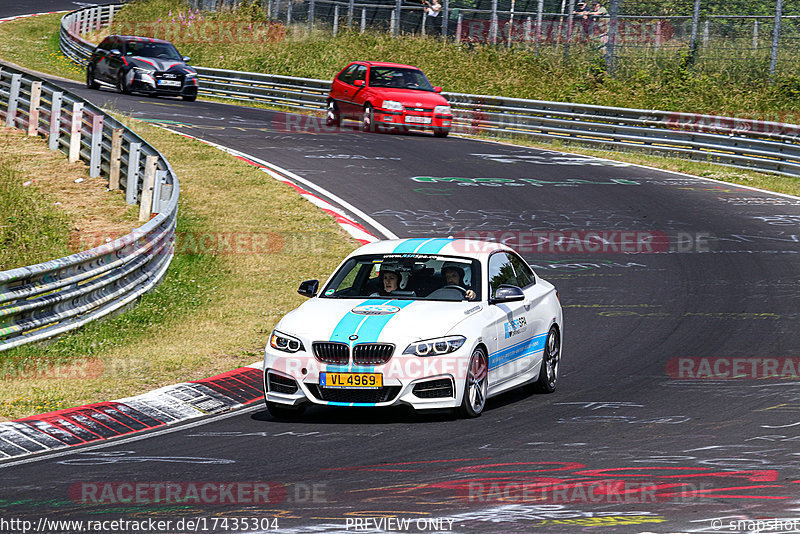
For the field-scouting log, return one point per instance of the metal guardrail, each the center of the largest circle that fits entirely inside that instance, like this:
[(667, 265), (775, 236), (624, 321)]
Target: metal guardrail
[(44, 300)]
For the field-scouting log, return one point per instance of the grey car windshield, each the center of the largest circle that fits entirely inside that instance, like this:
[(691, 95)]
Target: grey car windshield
[(149, 49), (406, 276), (399, 78)]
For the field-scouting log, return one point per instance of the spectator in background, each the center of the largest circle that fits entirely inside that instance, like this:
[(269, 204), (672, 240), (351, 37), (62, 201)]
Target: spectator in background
[(582, 13), (432, 10), (598, 11)]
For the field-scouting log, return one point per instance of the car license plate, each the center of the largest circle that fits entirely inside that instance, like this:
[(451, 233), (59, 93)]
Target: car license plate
[(351, 380), (172, 83), (418, 120)]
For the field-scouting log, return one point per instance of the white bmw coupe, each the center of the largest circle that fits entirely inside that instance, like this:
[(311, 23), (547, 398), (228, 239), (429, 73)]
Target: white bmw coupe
[(429, 323)]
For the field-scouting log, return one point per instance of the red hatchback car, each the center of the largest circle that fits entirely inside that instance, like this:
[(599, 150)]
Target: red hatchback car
[(389, 95)]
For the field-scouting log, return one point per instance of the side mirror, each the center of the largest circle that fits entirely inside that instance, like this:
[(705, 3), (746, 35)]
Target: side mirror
[(186, 59), (116, 53), (358, 83), (309, 288), (507, 293), (437, 89)]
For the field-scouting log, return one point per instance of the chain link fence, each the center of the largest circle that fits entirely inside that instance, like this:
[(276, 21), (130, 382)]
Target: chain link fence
[(699, 34)]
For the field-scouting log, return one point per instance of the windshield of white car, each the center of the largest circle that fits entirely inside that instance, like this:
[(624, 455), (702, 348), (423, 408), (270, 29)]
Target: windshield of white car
[(399, 78), (407, 277)]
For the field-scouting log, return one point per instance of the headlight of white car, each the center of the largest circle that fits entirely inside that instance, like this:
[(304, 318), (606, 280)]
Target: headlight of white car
[(442, 110), (282, 342), (435, 347), (392, 105)]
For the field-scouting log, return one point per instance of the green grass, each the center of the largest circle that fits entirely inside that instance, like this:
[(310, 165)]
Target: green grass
[(33, 43), (32, 230)]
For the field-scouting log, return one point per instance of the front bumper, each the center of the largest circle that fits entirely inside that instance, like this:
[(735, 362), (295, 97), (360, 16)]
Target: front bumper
[(152, 83), (421, 383), (413, 120)]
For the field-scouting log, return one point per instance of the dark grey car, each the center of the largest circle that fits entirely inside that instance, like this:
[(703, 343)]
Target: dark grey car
[(141, 64)]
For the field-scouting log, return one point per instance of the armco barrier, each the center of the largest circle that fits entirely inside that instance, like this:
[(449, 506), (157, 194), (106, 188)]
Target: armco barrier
[(41, 301), (752, 144)]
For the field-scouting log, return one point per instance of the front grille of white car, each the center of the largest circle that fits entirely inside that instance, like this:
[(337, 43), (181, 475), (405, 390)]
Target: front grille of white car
[(369, 396), (334, 353), (331, 353), (372, 353)]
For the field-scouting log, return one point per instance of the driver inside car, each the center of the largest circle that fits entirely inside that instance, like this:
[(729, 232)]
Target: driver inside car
[(393, 280), (454, 276)]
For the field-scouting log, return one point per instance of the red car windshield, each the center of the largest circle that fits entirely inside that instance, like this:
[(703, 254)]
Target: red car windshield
[(398, 78)]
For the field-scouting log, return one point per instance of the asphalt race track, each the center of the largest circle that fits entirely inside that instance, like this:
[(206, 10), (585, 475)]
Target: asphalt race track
[(648, 430)]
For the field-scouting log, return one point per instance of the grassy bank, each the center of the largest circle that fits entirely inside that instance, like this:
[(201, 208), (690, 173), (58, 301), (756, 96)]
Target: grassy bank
[(244, 243)]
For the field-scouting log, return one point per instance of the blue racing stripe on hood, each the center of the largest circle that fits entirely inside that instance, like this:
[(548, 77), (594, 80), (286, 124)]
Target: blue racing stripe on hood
[(369, 330), (348, 324)]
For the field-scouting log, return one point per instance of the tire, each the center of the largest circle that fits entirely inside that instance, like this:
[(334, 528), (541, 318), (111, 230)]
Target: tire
[(189, 98), (548, 372), (476, 386), (90, 82), (441, 132), (368, 123), (122, 87), (333, 117), (282, 411)]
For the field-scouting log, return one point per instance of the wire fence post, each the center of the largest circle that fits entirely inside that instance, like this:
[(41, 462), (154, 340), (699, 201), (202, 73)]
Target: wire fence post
[(510, 24), (568, 30), (537, 36), (493, 25), (695, 24), (527, 36), (289, 13), (705, 33), (335, 20), (776, 37), (396, 17), (459, 26), (755, 34), (350, 8), (611, 45), (363, 19), (658, 34), (445, 18), (311, 5)]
